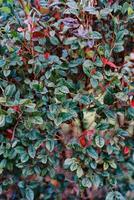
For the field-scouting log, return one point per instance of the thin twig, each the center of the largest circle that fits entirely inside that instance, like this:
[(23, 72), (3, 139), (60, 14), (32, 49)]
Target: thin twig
[(14, 129)]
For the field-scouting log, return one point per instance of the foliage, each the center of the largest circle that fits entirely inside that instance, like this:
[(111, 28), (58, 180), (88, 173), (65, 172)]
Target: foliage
[(66, 99)]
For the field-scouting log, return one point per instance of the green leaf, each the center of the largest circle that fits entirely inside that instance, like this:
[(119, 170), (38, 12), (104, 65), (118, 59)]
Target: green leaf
[(98, 62), (120, 35), (50, 145), (10, 90), (91, 10), (131, 112), (31, 151), (79, 172), (37, 120), (10, 1), (5, 9), (3, 163), (68, 162), (6, 72), (96, 35), (85, 99), (122, 96), (73, 166), (2, 100), (125, 7), (20, 150), (92, 153), (105, 165), (54, 40), (1, 1), (118, 48), (64, 89), (104, 12), (110, 114), (29, 194), (24, 157), (130, 11), (96, 180), (65, 116), (112, 164), (108, 98), (38, 49), (109, 149), (86, 182), (99, 141), (93, 165), (122, 132), (115, 195), (2, 120), (72, 4), (0, 189), (21, 184), (102, 126), (98, 75), (44, 159), (2, 63), (94, 82), (87, 66), (69, 40)]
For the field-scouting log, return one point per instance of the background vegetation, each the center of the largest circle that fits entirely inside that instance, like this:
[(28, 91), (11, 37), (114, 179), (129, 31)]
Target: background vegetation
[(66, 100)]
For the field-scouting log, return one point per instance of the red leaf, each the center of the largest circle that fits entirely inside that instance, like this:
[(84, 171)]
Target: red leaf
[(54, 182), (110, 1), (102, 87), (108, 62), (132, 103), (61, 26), (111, 64), (46, 55), (107, 142), (82, 141), (9, 133), (37, 4), (93, 71), (57, 16), (88, 132), (37, 35), (46, 32), (126, 150), (124, 83), (86, 138), (104, 60), (16, 108)]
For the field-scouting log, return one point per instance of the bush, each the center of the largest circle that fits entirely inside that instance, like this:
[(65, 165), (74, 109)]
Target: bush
[(66, 99)]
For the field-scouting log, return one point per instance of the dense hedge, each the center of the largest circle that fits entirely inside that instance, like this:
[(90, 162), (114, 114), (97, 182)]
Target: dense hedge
[(66, 99)]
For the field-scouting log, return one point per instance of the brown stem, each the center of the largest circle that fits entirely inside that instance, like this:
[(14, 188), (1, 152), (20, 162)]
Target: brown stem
[(18, 120), (22, 2)]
